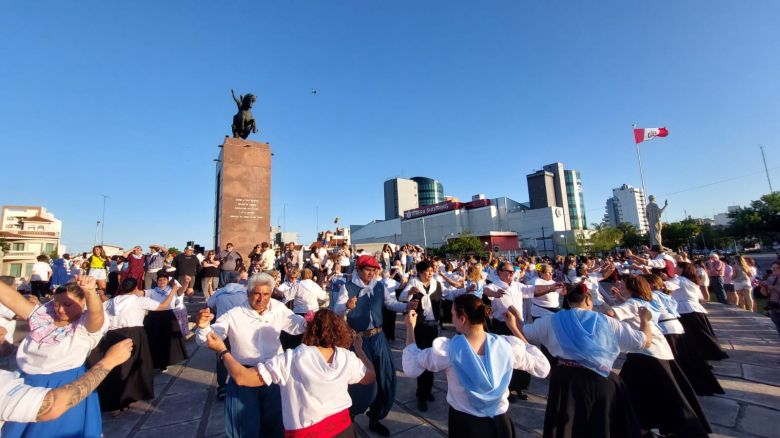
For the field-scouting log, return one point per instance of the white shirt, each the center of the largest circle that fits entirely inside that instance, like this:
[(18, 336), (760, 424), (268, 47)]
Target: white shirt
[(7, 320), (551, 300), (268, 258), (160, 295), (41, 271), (542, 332), (437, 358), (311, 388), (513, 297), (305, 294), (128, 310), (254, 337), (628, 312), (687, 294), (49, 349), (285, 289), (19, 402)]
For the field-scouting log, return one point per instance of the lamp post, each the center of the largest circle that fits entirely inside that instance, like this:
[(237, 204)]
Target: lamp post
[(566, 243), (97, 229)]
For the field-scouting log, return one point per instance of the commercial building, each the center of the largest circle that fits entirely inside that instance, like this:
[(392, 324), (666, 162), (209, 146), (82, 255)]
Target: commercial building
[(627, 205), (401, 194), (554, 186), (429, 191), (723, 219), (29, 232)]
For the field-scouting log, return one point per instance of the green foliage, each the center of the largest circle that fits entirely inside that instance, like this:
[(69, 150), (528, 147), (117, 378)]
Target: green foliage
[(173, 251), (632, 238), (4, 246), (760, 220), (602, 241), (679, 234), (464, 244)]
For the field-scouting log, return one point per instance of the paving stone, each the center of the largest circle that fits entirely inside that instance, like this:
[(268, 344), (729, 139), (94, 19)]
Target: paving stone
[(728, 368), (216, 418), (398, 420), (760, 421), (751, 392), (177, 408), (187, 429), (768, 375), (720, 410), (528, 415), (438, 412), (422, 431)]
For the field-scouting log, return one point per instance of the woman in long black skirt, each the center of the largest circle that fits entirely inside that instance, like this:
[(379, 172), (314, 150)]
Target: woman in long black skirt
[(695, 368), (660, 392), (166, 341), (134, 379), (587, 399), (698, 330)]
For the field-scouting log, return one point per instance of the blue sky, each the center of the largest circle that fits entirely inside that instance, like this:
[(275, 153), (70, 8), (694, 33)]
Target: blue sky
[(130, 99)]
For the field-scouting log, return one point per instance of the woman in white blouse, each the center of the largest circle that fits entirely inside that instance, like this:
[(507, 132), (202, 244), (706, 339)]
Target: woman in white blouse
[(478, 366), (163, 329), (660, 392), (313, 378), (62, 333), (133, 380)]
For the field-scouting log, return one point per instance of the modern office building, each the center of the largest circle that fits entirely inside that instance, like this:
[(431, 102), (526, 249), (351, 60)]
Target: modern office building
[(401, 194), (627, 205), (429, 191), (553, 186)]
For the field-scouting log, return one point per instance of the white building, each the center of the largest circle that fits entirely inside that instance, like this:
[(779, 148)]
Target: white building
[(493, 219), (400, 195), (29, 232), (627, 205), (723, 219)]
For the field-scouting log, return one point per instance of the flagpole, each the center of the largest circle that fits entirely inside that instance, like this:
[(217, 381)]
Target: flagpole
[(639, 159)]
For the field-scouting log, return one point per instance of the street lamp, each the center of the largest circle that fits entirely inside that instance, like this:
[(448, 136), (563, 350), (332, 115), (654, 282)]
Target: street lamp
[(566, 243), (97, 229)]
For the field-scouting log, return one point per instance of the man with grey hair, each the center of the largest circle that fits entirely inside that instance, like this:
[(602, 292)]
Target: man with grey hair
[(231, 295), (253, 329)]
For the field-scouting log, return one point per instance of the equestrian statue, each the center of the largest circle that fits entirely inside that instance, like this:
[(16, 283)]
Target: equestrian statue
[(243, 121)]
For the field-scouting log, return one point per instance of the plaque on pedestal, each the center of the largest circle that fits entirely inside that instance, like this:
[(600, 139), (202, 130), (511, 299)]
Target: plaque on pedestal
[(243, 195)]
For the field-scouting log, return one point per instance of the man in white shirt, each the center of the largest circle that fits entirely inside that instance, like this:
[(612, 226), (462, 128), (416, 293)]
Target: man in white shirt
[(231, 295), (40, 275), (253, 329), (267, 257)]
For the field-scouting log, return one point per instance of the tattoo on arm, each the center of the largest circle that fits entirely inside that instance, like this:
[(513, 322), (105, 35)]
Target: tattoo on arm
[(71, 394)]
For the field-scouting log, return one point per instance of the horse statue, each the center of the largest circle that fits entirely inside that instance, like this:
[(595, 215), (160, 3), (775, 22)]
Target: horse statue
[(243, 121)]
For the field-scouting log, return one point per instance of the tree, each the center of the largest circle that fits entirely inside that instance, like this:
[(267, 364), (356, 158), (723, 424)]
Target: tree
[(602, 241), (680, 234), (632, 238), (464, 244), (761, 219), (4, 246), (173, 251)]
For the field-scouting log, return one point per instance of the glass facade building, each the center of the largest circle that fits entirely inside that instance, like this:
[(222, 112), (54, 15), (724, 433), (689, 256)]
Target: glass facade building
[(429, 191)]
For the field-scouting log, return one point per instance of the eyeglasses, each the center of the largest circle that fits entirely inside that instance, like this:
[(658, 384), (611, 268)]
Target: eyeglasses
[(504, 270)]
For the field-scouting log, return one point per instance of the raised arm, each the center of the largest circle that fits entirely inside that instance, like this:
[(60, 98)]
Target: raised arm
[(95, 313), (15, 301), (243, 376), (59, 400), (235, 99)]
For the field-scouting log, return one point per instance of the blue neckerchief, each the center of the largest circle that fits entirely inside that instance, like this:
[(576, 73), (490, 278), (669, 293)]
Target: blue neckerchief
[(668, 301), (485, 383), (585, 337)]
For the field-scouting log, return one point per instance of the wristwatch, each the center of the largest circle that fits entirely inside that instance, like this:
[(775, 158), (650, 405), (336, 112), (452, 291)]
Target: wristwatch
[(221, 354)]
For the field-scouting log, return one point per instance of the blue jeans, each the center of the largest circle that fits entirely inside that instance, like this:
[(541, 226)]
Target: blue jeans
[(716, 288), (253, 412)]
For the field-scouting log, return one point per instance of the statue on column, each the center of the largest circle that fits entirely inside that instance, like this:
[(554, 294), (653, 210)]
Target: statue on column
[(244, 121), (653, 213)]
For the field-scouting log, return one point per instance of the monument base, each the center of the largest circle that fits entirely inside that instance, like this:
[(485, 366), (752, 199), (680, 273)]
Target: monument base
[(243, 195)]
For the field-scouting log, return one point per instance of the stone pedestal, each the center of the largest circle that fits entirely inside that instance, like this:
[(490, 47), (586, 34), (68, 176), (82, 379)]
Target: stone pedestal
[(243, 195)]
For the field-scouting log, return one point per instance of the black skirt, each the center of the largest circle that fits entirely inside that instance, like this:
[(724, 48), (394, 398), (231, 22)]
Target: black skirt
[(166, 342), (662, 396), (695, 368), (699, 334), (131, 381), (463, 425), (582, 403)]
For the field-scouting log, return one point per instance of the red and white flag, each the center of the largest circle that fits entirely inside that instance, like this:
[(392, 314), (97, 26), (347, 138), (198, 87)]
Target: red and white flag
[(644, 134)]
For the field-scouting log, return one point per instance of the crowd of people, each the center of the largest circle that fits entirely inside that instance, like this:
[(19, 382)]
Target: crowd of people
[(302, 336)]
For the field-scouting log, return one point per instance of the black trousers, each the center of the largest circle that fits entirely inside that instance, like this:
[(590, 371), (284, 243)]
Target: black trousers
[(521, 380), (423, 336)]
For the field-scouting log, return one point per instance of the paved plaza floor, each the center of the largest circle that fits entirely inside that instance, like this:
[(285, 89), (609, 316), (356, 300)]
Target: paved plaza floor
[(186, 403)]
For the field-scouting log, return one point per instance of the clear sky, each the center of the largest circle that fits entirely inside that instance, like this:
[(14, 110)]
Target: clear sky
[(131, 99)]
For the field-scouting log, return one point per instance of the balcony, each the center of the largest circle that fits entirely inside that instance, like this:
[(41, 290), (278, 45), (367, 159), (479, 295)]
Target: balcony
[(11, 254)]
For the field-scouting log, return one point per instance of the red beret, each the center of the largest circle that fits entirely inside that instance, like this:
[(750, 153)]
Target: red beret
[(367, 260)]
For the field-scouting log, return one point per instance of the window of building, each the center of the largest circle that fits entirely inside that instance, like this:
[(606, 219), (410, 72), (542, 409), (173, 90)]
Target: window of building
[(15, 270), (40, 227), (18, 247), (28, 269), (49, 248)]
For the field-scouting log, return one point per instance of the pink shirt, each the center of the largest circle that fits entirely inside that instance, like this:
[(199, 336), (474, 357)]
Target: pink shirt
[(716, 268)]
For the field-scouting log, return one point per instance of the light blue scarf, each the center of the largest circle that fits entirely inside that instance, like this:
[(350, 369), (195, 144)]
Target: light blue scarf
[(668, 301), (585, 336), (485, 383)]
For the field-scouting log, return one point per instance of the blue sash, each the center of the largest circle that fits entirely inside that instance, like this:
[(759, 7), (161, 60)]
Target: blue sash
[(586, 337), (485, 383)]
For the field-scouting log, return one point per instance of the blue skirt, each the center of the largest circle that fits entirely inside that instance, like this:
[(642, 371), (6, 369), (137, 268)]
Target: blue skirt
[(82, 420)]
